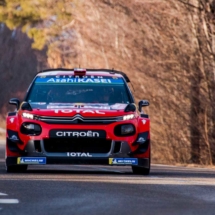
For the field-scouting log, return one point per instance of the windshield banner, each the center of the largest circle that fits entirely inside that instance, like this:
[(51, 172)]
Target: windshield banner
[(78, 80), (84, 106)]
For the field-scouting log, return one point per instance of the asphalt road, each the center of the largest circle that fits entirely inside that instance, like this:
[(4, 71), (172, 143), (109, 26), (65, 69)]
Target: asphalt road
[(106, 190)]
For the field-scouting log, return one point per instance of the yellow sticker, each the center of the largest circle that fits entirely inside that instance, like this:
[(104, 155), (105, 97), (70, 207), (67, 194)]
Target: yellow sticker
[(18, 160), (110, 160)]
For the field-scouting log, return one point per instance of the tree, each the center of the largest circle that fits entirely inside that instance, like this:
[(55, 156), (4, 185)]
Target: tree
[(44, 21)]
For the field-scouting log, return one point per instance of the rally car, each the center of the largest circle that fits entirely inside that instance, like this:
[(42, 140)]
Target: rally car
[(78, 116)]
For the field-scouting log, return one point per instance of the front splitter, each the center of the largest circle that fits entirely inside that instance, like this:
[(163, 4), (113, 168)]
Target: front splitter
[(143, 162)]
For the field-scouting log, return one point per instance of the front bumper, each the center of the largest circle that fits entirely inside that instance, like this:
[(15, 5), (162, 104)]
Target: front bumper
[(35, 152), (143, 162)]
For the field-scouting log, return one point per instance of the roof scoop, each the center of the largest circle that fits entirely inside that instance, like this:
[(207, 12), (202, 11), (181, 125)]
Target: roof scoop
[(130, 107), (80, 71)]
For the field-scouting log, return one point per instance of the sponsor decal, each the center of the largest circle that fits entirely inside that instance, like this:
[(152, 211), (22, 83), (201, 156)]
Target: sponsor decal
[(65, 79), (71, 107), (40, 103), (123, 161), (61, 106), (82, 106), (78, 80), (79, 154), (31, 160), (141, 140), (144, 121), (14, 137), (118, 106), (11, 120), (54, 103), (78, 111), (95, 106), (78, 133)]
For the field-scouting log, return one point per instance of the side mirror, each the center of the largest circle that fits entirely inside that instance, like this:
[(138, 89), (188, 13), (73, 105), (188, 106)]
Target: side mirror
[(15, 101), (143, 103)]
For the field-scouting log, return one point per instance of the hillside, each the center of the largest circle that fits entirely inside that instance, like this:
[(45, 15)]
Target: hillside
[(165, 46), (18, 65)]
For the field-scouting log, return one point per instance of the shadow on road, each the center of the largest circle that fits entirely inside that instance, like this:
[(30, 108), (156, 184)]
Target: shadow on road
[(156, 171)]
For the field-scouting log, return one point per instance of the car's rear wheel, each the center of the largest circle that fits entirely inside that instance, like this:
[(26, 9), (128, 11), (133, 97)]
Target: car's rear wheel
[(140, 170), (16, 168)]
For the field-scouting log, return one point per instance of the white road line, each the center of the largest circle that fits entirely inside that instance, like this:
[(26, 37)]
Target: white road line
[(9, 201), (3, 194)]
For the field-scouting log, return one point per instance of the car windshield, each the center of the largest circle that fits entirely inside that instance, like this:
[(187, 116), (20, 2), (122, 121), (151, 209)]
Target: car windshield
[(67, 89)]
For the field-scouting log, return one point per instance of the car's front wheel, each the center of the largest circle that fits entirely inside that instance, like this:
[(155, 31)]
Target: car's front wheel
[(138, 170), (16, 168)]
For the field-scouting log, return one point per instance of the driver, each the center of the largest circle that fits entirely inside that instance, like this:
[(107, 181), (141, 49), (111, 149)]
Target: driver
[(105, 95), (54, 95)]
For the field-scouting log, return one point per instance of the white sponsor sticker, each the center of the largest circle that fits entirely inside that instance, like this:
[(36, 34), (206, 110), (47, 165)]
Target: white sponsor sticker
[(78, 111), (77, 134), (123, 161), (79, 154), (144, 121), (11, 120)]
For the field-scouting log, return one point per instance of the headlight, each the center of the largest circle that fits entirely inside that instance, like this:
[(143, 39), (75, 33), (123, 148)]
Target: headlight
[(28, 115), (124, 130), (31, 128), (128, 117)]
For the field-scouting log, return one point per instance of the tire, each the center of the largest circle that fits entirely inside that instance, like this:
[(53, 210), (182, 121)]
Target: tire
[(16, 168), (140, 170)]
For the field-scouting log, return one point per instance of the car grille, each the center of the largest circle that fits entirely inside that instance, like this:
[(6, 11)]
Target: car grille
[(78, 119), (90, 145)]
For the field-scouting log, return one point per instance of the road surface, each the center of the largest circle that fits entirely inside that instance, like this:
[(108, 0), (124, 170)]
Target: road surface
[(106, 190)]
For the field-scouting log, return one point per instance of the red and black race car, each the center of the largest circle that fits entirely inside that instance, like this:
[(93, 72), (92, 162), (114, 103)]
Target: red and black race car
[(78, 116)]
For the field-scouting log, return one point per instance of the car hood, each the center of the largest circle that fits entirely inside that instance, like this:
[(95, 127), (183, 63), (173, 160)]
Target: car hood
[(84, 109)]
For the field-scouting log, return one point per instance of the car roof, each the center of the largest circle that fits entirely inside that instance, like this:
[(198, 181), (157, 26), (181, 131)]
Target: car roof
[(103, 72)]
